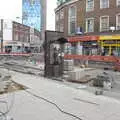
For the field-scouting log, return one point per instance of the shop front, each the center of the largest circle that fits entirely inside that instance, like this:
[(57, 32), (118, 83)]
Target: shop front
[(84, 45), (15, 47), (110, 45), (90, 48)]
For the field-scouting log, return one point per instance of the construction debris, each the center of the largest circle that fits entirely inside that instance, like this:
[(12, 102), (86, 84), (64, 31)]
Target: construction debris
[(104, 81), (74, 74), (7, 85)]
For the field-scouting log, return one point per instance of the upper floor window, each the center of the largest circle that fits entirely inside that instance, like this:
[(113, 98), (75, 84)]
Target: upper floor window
[(104, 3), (57, 17), (118, 2), (61, 27), (62, 14), (72, 20), (104, 23), (57, 27), (89, 5), (16, 36), (90, 25), (118, 22)]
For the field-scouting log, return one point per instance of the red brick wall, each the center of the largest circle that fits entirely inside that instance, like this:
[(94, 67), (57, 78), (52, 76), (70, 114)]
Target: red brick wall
[(82, 14)]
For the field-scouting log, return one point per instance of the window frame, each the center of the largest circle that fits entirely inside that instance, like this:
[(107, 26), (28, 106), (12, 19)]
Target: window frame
[(57, 17), (86, 23), (69, 19), (117, 21), (61, 14), (102, 4), (61, 27), (101, 20), (87, 10), (117, 1)]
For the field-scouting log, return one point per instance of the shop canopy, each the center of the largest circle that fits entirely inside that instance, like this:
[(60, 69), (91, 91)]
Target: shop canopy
[(93, 38), (83, 38), (110, 37)]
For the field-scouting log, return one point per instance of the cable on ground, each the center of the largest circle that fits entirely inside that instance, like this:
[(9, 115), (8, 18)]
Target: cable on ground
[(46, 100)]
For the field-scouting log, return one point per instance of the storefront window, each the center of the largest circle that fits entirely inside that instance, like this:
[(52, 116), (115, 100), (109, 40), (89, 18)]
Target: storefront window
[(110, 47), (74, 48), (90, 48)]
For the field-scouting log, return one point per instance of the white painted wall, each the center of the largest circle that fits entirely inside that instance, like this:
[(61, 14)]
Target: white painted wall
[(7, 30)]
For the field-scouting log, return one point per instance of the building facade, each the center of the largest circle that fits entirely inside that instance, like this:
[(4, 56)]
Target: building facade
[(70, 17), (85, 20), (34, 14), (16, 37)]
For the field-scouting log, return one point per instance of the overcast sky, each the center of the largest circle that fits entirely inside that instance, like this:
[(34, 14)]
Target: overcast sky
[(10, 9)]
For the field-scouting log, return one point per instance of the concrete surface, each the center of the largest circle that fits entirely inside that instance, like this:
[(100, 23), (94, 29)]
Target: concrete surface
[(84, 104)]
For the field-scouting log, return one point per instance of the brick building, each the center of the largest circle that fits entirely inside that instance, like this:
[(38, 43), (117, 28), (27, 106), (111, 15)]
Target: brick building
[(17, 37), (69, 23), (91, 19)]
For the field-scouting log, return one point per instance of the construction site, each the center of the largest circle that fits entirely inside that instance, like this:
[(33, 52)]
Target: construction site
[(54, 86), (60, 60)]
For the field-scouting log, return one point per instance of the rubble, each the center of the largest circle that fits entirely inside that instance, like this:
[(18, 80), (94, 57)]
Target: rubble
[(7, 85), (103, 80), (75, 74)]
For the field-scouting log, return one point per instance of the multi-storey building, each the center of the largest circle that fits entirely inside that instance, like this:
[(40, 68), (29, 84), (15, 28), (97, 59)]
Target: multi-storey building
[(17, 37), (34, 14), (67, 17), (95, 21)]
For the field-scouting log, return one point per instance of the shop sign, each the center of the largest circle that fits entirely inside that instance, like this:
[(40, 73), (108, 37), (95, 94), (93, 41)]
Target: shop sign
[(110, 37), (83, 38), (110, 42)]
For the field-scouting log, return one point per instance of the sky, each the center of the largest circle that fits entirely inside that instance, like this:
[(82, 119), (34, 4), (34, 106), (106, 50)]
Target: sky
[(10, 9)]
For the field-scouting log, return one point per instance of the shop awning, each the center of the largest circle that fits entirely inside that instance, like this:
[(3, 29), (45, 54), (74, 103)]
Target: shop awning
[(110, 37), (83, 38)]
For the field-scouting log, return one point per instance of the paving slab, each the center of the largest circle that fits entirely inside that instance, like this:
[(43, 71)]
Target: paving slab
[(81, 103)]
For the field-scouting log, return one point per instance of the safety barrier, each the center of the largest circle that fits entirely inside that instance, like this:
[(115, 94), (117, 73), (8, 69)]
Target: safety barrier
[(94, 58), (14, 54)]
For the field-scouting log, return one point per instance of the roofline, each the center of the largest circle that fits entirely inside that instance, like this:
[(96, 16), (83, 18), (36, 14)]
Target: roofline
[(65, 4)]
